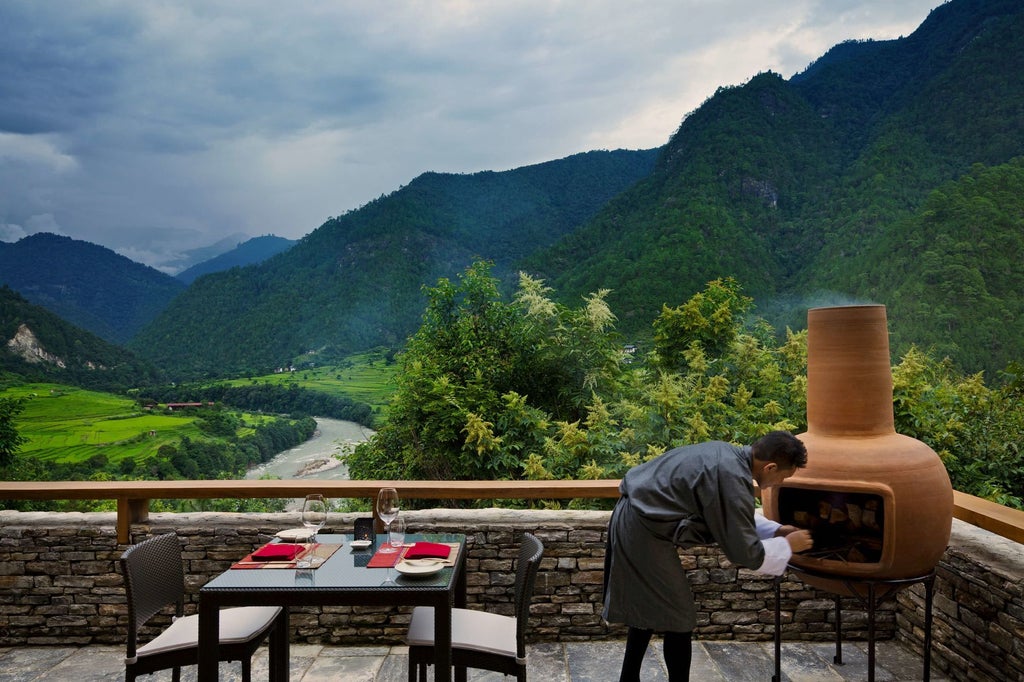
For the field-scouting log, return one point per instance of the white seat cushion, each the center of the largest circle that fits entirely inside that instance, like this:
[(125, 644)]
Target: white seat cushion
[(474, 630), (236, 625)]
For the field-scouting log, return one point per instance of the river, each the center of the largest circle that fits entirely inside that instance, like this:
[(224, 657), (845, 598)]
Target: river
[(315, 459)]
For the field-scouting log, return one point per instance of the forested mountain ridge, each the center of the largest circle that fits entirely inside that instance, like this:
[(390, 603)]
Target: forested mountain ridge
[(88, 285), (788, 185), (36, 345), (355, 282), (884, 172)]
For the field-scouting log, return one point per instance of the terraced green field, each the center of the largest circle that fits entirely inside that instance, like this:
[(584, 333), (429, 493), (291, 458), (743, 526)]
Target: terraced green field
[(67, 424), (64, 424), (366, 377)]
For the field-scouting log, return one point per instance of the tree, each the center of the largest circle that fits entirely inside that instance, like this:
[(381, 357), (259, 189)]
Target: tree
[(711, 319), (10, 440), (483, 381)]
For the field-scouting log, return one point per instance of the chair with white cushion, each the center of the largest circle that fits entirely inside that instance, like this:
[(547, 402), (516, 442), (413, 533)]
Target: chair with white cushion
[(480, 639), (155, 580)]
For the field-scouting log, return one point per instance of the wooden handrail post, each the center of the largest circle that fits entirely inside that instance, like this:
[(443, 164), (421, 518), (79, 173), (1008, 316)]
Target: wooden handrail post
[(129, 511)]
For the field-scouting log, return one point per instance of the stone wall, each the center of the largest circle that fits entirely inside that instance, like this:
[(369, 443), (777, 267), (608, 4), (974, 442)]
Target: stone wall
[(978, 610), (59, 585)]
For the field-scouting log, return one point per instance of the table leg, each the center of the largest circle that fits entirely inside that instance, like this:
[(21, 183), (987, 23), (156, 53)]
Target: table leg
[(460, 603), (279, 648), (209, 635), (777, 677), (443, 641)]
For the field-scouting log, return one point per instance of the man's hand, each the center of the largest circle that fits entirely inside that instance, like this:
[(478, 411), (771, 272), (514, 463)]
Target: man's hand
[(799, 540)]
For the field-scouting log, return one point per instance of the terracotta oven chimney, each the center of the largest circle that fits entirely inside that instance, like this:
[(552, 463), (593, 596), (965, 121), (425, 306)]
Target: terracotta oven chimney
[(879, 504)]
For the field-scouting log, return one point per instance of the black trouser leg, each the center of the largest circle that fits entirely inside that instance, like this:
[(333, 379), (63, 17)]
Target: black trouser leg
[(636, 646), (678, 652)]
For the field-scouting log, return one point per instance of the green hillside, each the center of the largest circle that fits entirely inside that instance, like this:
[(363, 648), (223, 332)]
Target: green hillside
[(807, 191), (88, 285), (66, 425), (795, 188), (363, 377), (951, 271), (77, 434), (355, 282), (37, 345)]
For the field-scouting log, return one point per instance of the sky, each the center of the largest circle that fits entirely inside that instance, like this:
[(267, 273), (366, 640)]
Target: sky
[(154, 127)]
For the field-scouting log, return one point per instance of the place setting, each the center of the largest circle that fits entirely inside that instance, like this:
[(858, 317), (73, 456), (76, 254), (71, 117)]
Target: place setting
[(415, 559), (295, 547)]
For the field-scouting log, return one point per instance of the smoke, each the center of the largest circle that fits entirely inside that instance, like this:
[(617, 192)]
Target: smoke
[(784, 311)]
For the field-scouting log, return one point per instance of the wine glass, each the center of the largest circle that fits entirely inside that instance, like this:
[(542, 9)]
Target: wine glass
[(387, 510), (314, 514)]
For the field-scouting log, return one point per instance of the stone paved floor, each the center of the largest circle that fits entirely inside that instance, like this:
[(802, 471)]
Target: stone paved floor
[(570, 662)]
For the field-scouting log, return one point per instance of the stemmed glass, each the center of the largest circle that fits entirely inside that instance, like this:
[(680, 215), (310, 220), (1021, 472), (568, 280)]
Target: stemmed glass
[(387, 510), (314, 514)]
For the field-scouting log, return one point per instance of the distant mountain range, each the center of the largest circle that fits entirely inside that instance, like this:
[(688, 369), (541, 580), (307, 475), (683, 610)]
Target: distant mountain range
[(86, 284), (249, 252), (106, 293), (888, 171), (179, 262), (356, 281)]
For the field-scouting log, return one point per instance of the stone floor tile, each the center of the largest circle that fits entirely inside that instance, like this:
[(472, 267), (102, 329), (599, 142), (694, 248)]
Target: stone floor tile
[(703, 667), (23, 665), (741, 663), (548, 662)]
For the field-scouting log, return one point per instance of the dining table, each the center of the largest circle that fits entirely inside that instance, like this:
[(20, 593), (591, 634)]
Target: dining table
[(348, 576)]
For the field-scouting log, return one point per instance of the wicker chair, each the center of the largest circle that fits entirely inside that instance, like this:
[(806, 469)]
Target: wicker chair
[(480, 639), (154, 580)]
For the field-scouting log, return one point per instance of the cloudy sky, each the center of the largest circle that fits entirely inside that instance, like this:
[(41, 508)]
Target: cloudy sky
[(153, 127)]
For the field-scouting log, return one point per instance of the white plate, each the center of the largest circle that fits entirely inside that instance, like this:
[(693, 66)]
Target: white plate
[(360, 544), (415, 568), (295, 534)]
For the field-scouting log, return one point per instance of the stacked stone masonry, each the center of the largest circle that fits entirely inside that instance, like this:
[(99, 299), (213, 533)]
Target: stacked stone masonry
[(59, 585)]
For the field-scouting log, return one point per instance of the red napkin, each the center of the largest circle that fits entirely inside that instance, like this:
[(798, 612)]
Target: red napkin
[(277, 551), (428, 550)]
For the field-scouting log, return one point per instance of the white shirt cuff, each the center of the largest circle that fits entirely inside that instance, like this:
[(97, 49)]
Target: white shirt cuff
[(765, 527), (776, 556)]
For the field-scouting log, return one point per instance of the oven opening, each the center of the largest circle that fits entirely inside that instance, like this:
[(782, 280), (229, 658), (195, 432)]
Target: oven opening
[(846, 526)]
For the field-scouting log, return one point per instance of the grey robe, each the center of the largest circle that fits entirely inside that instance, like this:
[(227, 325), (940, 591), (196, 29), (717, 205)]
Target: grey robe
[(698, 494)]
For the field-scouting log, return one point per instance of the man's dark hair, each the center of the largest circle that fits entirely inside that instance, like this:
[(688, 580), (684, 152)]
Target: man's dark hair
[(780, 447)]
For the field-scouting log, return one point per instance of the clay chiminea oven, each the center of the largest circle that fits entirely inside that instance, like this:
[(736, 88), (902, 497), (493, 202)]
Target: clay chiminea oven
[(879, 504)]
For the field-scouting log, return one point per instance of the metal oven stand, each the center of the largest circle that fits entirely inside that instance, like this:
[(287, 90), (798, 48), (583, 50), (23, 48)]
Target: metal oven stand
[(871, 600)]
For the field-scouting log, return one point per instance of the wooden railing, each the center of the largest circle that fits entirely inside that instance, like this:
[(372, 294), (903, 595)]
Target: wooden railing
[(133, 496)]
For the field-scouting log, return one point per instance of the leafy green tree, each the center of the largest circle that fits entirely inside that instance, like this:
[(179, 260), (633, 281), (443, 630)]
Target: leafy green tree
[(485, 380), (710, 321), (533, 389)]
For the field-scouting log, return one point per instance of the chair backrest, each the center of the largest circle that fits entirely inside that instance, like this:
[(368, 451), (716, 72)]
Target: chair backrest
[(530, 552), (153, 580)]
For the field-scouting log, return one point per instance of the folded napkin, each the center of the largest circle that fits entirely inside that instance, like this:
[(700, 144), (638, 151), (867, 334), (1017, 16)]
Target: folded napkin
[(428, 550), (278, 551)]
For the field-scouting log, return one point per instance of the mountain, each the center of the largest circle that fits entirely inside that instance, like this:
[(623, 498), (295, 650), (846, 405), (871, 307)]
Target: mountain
[(86, 284), (249, 252), (38, 346), (886, 172), (816, 190), (356, 281), (192, 257)]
